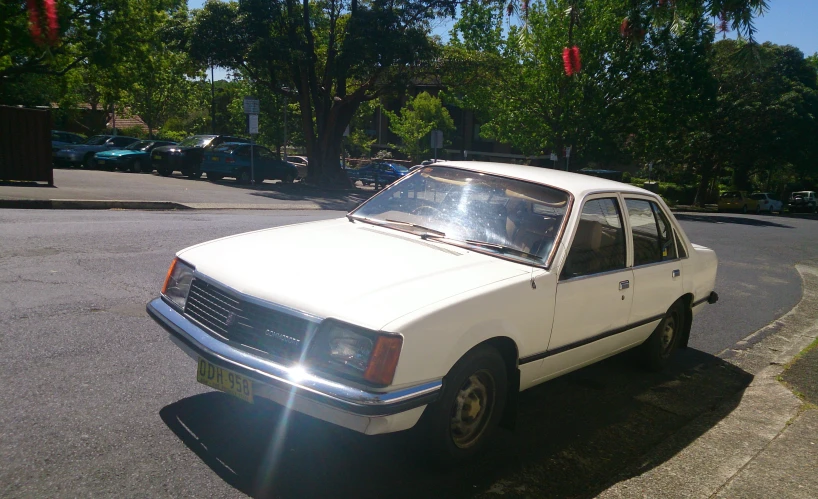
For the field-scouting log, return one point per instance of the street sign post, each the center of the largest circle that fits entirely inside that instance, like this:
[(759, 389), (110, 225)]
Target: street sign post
[(567, 156), (251, 105), (251, 109), (554, 158), (437, 141)]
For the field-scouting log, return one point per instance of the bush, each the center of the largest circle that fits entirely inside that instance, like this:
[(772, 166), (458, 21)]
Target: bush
[(677, 194), (626, 177)]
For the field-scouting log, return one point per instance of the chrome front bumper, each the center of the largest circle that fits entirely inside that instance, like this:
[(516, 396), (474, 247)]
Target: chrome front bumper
[(293, 382)]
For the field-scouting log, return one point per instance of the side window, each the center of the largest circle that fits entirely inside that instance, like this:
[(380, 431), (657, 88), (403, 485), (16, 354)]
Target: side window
[(665, 233), (599, 242), (653, 239), (242, 152), (680, 245), (122, 141)]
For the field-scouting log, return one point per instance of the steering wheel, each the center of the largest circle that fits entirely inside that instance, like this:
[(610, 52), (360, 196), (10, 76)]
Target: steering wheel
[(426, 210)]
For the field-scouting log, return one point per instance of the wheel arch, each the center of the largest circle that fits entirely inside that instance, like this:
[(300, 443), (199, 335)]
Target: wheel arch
[(687, 302), (510, 353)]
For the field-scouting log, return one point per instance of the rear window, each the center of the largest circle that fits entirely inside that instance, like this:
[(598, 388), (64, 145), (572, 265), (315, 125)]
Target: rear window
[(730, 195), (758, 197), (229, 148)]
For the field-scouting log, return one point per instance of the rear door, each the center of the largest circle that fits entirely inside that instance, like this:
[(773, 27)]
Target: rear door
[(657, 269)]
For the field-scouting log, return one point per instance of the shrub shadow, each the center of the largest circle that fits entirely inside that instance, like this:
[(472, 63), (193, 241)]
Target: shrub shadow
[(575, 436)]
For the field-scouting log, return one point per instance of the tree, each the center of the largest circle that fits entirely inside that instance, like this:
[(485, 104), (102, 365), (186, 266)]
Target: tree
[(416, 120), (329, 57)]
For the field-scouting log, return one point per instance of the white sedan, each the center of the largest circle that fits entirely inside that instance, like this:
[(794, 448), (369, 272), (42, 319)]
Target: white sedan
[(766, 202), (480, 280)]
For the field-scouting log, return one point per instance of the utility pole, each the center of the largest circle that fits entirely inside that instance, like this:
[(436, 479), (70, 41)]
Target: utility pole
[(285, 127), (212, 102)]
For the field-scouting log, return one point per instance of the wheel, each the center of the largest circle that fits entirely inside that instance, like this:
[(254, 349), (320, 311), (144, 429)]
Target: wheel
[(243, 177), (288, 179), (194, 174), (214, 177), (744, 209), (459, 423), (136, 166), (657, 349), (88, 162), (758, 209), (165, 172)]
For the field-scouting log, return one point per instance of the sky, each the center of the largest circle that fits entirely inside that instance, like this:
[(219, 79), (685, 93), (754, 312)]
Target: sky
[(787, 22)]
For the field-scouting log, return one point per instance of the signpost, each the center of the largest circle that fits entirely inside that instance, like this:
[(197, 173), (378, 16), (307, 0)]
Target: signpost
[(554, 158), (567, 156), (437, 141), (251, 109)]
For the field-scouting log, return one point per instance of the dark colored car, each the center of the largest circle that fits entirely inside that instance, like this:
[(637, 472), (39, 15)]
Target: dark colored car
[(379, 172), (186, 156), (233, 160), (61, 139), (134, 158), (83, 154), (803, 201)]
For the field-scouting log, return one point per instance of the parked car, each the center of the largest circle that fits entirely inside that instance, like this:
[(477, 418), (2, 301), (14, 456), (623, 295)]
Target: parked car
[(133, 158), (803, 201), (380, 172), (301, 163), (83, 154), (61, 139), (766, 202), (508, 276), (233, 160), (738, 201), (186, 156)]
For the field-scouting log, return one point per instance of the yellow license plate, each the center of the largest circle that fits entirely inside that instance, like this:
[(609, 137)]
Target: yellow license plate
[(223, 380), (214, 158), (100, 161), (156, 156)]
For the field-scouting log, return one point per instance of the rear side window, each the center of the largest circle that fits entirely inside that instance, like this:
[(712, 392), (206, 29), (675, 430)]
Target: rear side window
[(653, 239), (599, 242)]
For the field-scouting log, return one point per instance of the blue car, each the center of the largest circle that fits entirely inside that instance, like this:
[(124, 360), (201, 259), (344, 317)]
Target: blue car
[(232, 159), (83, 154), (380, 172), (134, 158)]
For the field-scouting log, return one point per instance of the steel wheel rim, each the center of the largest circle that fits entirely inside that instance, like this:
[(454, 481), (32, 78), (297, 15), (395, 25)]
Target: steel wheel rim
[(473, 408), (668, 333)]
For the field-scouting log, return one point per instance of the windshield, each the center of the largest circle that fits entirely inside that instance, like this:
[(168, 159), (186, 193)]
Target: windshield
[(142, 145), (499, 215), (399, 168), (803, 194), (229, 147), (730, 195), (96, 140), (197, 141)]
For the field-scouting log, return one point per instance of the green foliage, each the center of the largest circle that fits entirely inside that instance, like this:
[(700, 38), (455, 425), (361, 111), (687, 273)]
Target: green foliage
[(415, 121)]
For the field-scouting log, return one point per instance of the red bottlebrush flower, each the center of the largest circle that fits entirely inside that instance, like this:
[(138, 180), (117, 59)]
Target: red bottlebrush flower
[(34, 21), (566, 61), (576, 61), (723, 26), (510, 9), (571, 60), (51, 17), (661, 3), (625, 27), (524, 5)]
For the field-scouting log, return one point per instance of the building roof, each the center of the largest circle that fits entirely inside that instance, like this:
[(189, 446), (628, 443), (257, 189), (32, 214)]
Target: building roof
[(577, 184)]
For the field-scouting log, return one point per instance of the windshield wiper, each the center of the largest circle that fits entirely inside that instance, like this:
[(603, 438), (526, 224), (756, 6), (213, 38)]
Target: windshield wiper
[(503, 249), (429, 232)]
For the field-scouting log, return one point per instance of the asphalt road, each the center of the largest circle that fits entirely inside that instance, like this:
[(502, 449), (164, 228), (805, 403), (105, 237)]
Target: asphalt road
[(97, 402)]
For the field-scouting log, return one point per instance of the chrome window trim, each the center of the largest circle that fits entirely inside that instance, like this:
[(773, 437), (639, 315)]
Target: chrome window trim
[(598, 274), (547, 262), (672, 220)]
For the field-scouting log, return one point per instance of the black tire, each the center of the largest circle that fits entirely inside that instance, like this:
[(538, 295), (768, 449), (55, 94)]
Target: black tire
[(480, 375), (758, 209), (243, 177), (659, 347), (88, 162), (744, 209), (214, 177), (193, 173), (288, 179), (136, 166), (165, 172)]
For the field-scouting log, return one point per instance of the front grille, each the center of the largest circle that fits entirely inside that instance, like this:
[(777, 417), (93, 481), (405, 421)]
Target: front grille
[(277, 334)]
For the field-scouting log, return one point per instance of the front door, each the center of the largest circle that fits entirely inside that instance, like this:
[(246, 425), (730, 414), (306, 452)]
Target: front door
[(594, 291)]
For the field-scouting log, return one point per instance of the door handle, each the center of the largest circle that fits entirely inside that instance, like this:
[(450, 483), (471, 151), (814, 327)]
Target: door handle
[(676, 273), (624, 285)]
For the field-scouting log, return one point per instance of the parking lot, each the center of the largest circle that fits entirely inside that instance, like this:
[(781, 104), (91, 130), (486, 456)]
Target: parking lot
[(99, 402)]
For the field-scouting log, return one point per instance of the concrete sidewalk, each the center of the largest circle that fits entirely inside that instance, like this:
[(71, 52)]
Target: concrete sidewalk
[(763, 445), (85, 189)]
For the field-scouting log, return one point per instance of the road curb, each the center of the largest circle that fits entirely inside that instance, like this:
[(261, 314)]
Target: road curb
[(110, 204), (89, 204), (734, 434)]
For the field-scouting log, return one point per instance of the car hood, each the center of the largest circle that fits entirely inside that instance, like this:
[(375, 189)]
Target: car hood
[(354, 272), (118, 153), (176, 148)]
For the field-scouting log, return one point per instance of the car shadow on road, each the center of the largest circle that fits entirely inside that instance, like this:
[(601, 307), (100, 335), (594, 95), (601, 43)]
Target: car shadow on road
[(575, 436), (328, 199), (722, 219)]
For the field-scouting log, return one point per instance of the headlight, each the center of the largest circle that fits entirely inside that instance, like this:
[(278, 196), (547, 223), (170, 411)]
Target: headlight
[(177, 283), (355, 352)]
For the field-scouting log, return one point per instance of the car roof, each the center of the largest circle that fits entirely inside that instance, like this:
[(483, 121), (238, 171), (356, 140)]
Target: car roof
[(577, 184)]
